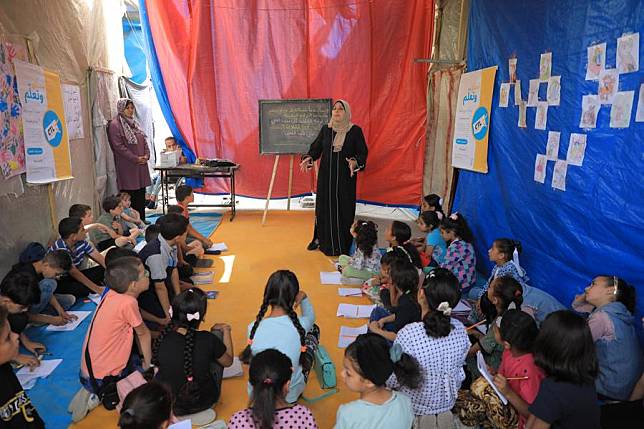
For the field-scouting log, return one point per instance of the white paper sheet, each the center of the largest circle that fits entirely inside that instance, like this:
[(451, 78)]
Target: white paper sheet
[(620, 111), (628, 53), (554, 90), (183, 424), (349, 291), (462, 307), (330, 277), (504, 94), (545, 66), (589, 110), (522, 114), (348, 335), (533, 93), (27, 376), (517, 93), (73, 111), (596, 61), (541, 117), (218, 246), (354, 311), (482, 366), (71, 325), (234, 370), (512, 69), (639, 116), (608, 86), (552, 147), (540, 164), (559, 175), (576, 149), (95, 298)]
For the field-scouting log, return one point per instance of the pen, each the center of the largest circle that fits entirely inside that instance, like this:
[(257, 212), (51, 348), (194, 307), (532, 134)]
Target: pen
[(475, 325)]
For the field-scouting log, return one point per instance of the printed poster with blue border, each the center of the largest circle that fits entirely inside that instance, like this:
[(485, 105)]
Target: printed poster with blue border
[(47, 156), (472, 121)]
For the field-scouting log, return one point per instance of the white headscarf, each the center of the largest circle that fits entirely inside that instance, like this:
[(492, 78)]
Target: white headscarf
[(341, 127)]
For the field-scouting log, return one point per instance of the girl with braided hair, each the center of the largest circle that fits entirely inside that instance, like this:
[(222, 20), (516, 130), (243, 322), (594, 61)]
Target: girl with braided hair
[(460, 258), (277, 326), (190, 361), (270, 373), (365, 262)]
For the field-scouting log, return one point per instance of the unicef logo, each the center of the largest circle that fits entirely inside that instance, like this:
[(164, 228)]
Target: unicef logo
[(480, 123), (53, 128)]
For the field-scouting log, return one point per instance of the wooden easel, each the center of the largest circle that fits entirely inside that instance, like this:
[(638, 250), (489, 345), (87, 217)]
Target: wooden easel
[(270, 186)]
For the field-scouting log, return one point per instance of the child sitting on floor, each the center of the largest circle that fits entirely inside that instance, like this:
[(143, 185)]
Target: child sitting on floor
[(148, 406), (269, 375), (504, 294), (365, 262), (185, 196), (191, 249), (151, 233), (47, 267), (432, 203), (518, 378), (125, 236), (376, 286), (404, 308), (16, 408), (191, 362), (433, 245), (282, 329), (460, 258), (439, 344), (368, 363), (611, 304), (567, 399), (131, 217), (77, 282), (115, 323), (399, 234), (18, 291), (84, 213)]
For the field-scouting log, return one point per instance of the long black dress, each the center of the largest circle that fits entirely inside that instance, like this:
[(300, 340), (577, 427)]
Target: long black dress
[(335, 204)]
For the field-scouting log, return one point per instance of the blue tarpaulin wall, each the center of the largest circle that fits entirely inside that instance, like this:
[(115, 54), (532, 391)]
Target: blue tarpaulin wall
[(596, 226)]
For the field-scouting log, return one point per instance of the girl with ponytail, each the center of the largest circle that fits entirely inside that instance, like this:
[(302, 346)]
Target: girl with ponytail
[(149, 406), (277, 326), (368, 363), (459, 257), (270, 375), (439, 344), (399, 234), (191, 362)]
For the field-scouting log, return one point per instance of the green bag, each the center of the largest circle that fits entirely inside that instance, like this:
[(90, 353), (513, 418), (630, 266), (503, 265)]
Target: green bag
[(325, 373)]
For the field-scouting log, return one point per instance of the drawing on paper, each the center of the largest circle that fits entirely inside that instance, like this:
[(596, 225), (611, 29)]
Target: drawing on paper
[(533, 93), (522, 114), (517, 93), (554, 90), (589, 110), (639, 116), (576, 149), (545, 66), (512, 67), (628, 53), (540, 168), (620, 111), (596, 61), (504, 95), (608, 82), (559, 175), (541, 117), (552, 147)]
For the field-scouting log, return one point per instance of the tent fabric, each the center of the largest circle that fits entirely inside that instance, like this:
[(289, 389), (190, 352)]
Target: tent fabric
[(596, 226), (219, 58)]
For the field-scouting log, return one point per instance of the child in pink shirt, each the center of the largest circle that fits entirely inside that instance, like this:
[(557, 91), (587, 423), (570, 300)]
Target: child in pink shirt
[(116, 320)]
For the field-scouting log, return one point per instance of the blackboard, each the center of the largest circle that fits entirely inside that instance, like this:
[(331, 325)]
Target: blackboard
[(290, 126)]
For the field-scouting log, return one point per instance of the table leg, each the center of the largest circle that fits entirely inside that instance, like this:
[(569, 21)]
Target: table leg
[(233, 196)]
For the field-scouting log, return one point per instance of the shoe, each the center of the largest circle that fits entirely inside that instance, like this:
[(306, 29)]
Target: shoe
[(313, 245), (201, 418), (82, 403)]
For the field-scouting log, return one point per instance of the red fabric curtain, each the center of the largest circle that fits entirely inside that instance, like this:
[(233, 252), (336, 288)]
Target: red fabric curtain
[(218, 58)]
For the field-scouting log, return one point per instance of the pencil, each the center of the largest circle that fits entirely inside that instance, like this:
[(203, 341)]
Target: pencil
[(475, 325), (517, 378)]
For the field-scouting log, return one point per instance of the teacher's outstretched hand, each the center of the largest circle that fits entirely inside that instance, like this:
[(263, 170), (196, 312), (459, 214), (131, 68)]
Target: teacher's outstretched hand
[(306, 164)]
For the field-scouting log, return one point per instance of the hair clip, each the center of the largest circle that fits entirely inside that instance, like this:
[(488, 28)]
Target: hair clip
[(440, 202), (129, 412), (303, 349), (454, 216), (267, 381), (444, 308), (439, 215), (512, 306), (189, 378), (432, 274), (194, 316), (395, 352)]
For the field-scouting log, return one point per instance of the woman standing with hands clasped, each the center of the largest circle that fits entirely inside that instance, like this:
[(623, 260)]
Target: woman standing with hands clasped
[(342, 151)]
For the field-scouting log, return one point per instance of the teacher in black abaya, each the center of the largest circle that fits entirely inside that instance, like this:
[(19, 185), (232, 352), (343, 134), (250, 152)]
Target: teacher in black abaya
[(342, 151)]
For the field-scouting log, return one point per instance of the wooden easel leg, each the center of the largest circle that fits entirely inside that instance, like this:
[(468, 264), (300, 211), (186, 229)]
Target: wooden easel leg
[(290, 183), (270, 188), (52, 207)]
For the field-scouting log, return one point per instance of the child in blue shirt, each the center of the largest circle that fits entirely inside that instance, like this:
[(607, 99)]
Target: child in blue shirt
[(435, 245), (368, 363)]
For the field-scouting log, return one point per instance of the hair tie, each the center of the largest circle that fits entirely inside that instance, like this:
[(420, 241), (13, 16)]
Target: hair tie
[(432, 274), (444, 308), (439, 215), (250, 341), (515, 260), (395, 352), (193, 316), (170, 311), (454, 216), (303, 349), (267, 381), (129, 412), (440, 202)]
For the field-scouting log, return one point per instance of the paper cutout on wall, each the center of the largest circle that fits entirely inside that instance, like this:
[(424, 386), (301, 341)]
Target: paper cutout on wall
[(504, 95), (533, 93), (545, 66), (620, 111), (554, 90), (596, 61), (517, 93), (639, 116), (552, 147), (559, 175), (512, 68), (540, 168), (608, 84), (628, 53), (589, 110), (523, 111), (541, 117), (576, 149)]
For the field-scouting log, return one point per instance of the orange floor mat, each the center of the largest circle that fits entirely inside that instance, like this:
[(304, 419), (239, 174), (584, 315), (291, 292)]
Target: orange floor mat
[(255, 251)]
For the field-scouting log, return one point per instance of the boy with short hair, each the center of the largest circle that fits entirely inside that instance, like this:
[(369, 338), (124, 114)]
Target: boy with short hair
[(47, 267), (116, 322), (112, 219), (160, 258), (84, 213), (16, 409), (185, 196), (18, 291), (79, 283)]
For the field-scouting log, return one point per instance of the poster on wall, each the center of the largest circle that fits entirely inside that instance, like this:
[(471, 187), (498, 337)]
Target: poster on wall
[(46, 141), (472, 122), (73, 111), (12, 146)]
